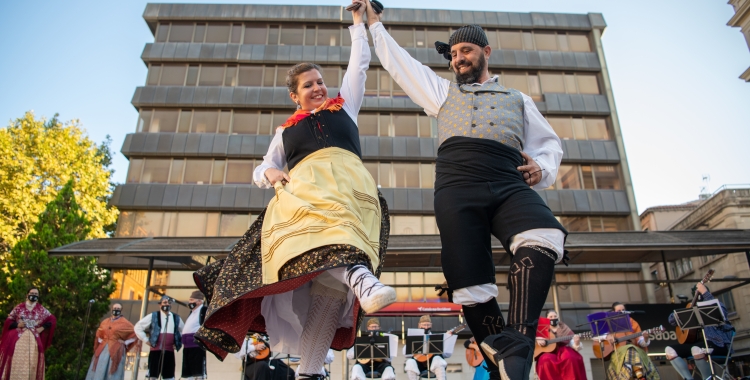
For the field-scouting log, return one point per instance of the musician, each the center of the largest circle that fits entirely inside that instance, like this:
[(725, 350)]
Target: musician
[(363, 371), (257, 361), (480, 371), (437, 363), (564, 362), (630, 359), (718, 337)]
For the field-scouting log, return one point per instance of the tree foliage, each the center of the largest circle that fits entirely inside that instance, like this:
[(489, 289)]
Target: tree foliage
[(38, 157)]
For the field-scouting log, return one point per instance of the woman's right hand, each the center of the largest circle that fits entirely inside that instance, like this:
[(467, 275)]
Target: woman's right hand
[(372, 17), (275, 175)]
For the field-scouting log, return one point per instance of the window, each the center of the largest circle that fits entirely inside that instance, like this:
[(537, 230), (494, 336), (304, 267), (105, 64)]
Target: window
[(239, 171), (154, 71), (204, 121), (595, 223), (164, 121), (191, 171), (579, 128), (144, 121), (728, 300), (181, 32), (403, 36), (607, 177), (155, 171), (510, 40), (211, 75), (552, 82), (234, 224), (200, 33), (292, 35), (579, 42), (143, 224), (198, 172), (329, 35), (250, 76), (217, 33), (587, 177), (545, 41), (245, 122), (162, 31), (587, 84), (173, 75), (437, 34), (134, 170), (400, 175), (255, 34), (413, 225)]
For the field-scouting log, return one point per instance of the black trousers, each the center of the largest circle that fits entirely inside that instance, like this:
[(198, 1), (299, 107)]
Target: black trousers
[(193, 362), (258, 370), (154, 360)]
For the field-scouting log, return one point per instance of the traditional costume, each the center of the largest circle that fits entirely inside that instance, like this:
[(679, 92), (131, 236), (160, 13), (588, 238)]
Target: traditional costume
[(436, 363), (366, 369), (22, 349), (564, 363), (303, 272), (193, 356), (114, 338), (482, 130), (164, 336), (630, 360)]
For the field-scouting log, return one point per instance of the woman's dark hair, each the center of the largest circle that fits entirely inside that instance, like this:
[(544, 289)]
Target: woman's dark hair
[(32, 288), (294, 72), (614, 305)]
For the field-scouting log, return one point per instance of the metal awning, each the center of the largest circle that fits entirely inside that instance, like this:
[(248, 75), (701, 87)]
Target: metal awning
[(423, 251)]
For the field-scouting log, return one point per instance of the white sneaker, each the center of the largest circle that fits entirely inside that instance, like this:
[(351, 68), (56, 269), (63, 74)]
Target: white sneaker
[(372, 294)]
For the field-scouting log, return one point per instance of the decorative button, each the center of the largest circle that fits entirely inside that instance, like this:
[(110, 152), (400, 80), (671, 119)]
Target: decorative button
[(491, 123), (476, 108), (492, 93), (473, 125), (493, 107)]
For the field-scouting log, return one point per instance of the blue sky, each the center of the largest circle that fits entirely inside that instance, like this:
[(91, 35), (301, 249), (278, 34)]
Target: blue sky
[(674, 66)]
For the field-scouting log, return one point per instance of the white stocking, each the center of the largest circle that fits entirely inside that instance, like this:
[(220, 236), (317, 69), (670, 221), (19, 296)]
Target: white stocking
[(320, 327)]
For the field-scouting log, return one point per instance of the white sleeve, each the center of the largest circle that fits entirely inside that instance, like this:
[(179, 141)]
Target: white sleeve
[(182, 324), (100, 340), (541, 143), (274, 158), (141, 326), (423, 86), (329, 356), (350, 353), (129, 341), (353, 84)]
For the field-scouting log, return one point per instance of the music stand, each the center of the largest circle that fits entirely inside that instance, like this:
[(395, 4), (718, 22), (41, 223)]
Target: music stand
[(425, 344), (700, 316), (372, 347), (607, 322)]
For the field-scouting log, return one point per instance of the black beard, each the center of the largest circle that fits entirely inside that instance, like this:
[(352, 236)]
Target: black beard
[(472, 76)]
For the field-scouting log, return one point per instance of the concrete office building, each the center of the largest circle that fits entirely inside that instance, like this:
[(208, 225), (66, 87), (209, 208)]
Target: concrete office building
[(741, 19), (215, 92)]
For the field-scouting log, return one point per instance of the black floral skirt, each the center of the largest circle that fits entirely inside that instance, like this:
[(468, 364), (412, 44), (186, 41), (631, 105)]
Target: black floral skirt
[(234, 290)]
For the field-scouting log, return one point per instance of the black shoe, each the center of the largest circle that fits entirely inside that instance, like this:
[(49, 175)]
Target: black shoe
[(315, 376), (512, 353)]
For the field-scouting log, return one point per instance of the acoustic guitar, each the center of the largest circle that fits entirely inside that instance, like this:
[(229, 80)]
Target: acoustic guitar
[(609, 349), (691, 336), (473, 356), (262, 354), (422, 358), (552, 343)]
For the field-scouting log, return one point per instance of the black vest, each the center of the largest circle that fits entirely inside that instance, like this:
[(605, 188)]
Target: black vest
[(325, 129)]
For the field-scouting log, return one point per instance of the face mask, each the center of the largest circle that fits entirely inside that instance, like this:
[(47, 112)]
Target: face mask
[(166, 308), (192, 305), (33, 298), (116, 312), (554, 322)]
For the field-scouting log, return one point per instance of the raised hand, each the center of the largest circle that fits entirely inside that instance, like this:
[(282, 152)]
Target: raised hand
[(372, 17), (358, 14), (532, 173)]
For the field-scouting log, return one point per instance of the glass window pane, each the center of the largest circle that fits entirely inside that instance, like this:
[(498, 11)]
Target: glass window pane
[(236, 33), (406, 175), (575, 224), (406, 225), (192, 75), (562, 42), (510, 40), (329, 35), (197, 172), (281, 75), (425, 126), (368, 124), (164, 121), (607, 177), (211, 75), (230, 76), (181, 32), (212, 223), (528, 40), (134, 170), (279, 118), (147, 224), (397, 90), (200, 33), (437, 34), (153, 75), (568, 178), (245, 122), (517, 81), (427, 172), (217, 174), (330, 76), (250, 76), (346, 38), (255, 34), (175, 175), (204, 121), (545, 41), (224, 119), (386, 125), (185, 118), (269, 76), (402, 294), (384, 180), (125, 224), (446, 74), (534, 88), (562, 127), (578, 129), (310, 35), (419, 36), (403, 36), (385, 83), (217, 33), (173, 75), (552, 82), (405, 125), (596, 129), (587, 84), (239, 172), (265, 127), (588, 179), (570, 84), (234, 224), (429, 226), (372, 167), (492, 38), (144, 121), (155, 170), (371, 83), (191, 224), (617, 223), (273, 35), (579, 42), (292, 35), (161, 32)]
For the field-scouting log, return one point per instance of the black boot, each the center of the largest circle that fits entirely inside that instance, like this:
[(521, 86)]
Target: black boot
[(529, 279), (485, 319)]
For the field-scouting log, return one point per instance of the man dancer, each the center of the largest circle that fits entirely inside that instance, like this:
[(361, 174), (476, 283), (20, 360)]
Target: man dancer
[(114, 338), (193, 357), (494, 145), (164, 337)]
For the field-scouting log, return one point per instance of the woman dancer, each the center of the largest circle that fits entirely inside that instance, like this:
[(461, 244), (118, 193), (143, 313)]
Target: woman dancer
[(304, 270)]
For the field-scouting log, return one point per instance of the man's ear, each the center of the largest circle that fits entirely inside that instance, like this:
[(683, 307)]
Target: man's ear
[(487, 51)]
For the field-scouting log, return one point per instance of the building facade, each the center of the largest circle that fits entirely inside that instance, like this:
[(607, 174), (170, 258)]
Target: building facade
[(215, 91), (741, 19)]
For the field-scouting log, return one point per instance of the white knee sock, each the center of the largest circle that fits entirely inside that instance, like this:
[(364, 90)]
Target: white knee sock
[(320, 327)]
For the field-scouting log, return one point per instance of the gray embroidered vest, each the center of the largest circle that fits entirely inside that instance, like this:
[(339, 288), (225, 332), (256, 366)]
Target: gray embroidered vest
[(489, 111)]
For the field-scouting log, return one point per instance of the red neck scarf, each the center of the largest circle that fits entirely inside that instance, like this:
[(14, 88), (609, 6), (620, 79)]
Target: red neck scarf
[(331, 104)]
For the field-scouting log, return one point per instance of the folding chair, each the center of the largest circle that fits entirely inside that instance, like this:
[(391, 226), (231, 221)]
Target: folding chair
[(720, 363)]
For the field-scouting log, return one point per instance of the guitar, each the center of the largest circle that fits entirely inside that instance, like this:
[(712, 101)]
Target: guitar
[(264, 353), (422, 358), (552, 343), (609, 349), (691, 336), (473, 356)]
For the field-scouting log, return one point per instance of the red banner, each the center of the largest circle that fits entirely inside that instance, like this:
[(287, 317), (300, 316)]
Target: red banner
[(400, 308)]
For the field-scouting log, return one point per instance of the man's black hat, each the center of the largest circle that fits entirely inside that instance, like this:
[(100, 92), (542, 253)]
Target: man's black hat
[(468, 33)]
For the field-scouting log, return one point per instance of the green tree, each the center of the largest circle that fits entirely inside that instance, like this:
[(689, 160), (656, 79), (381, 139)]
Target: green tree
[(66, 284), (38, 157)]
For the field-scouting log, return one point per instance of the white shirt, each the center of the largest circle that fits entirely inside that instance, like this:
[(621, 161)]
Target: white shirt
[(430, 91), (167, 325), (193, 322), (352, 90), (247, 348)]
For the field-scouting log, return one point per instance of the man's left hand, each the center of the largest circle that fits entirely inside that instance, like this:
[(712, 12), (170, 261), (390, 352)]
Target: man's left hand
[(532, 173)]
